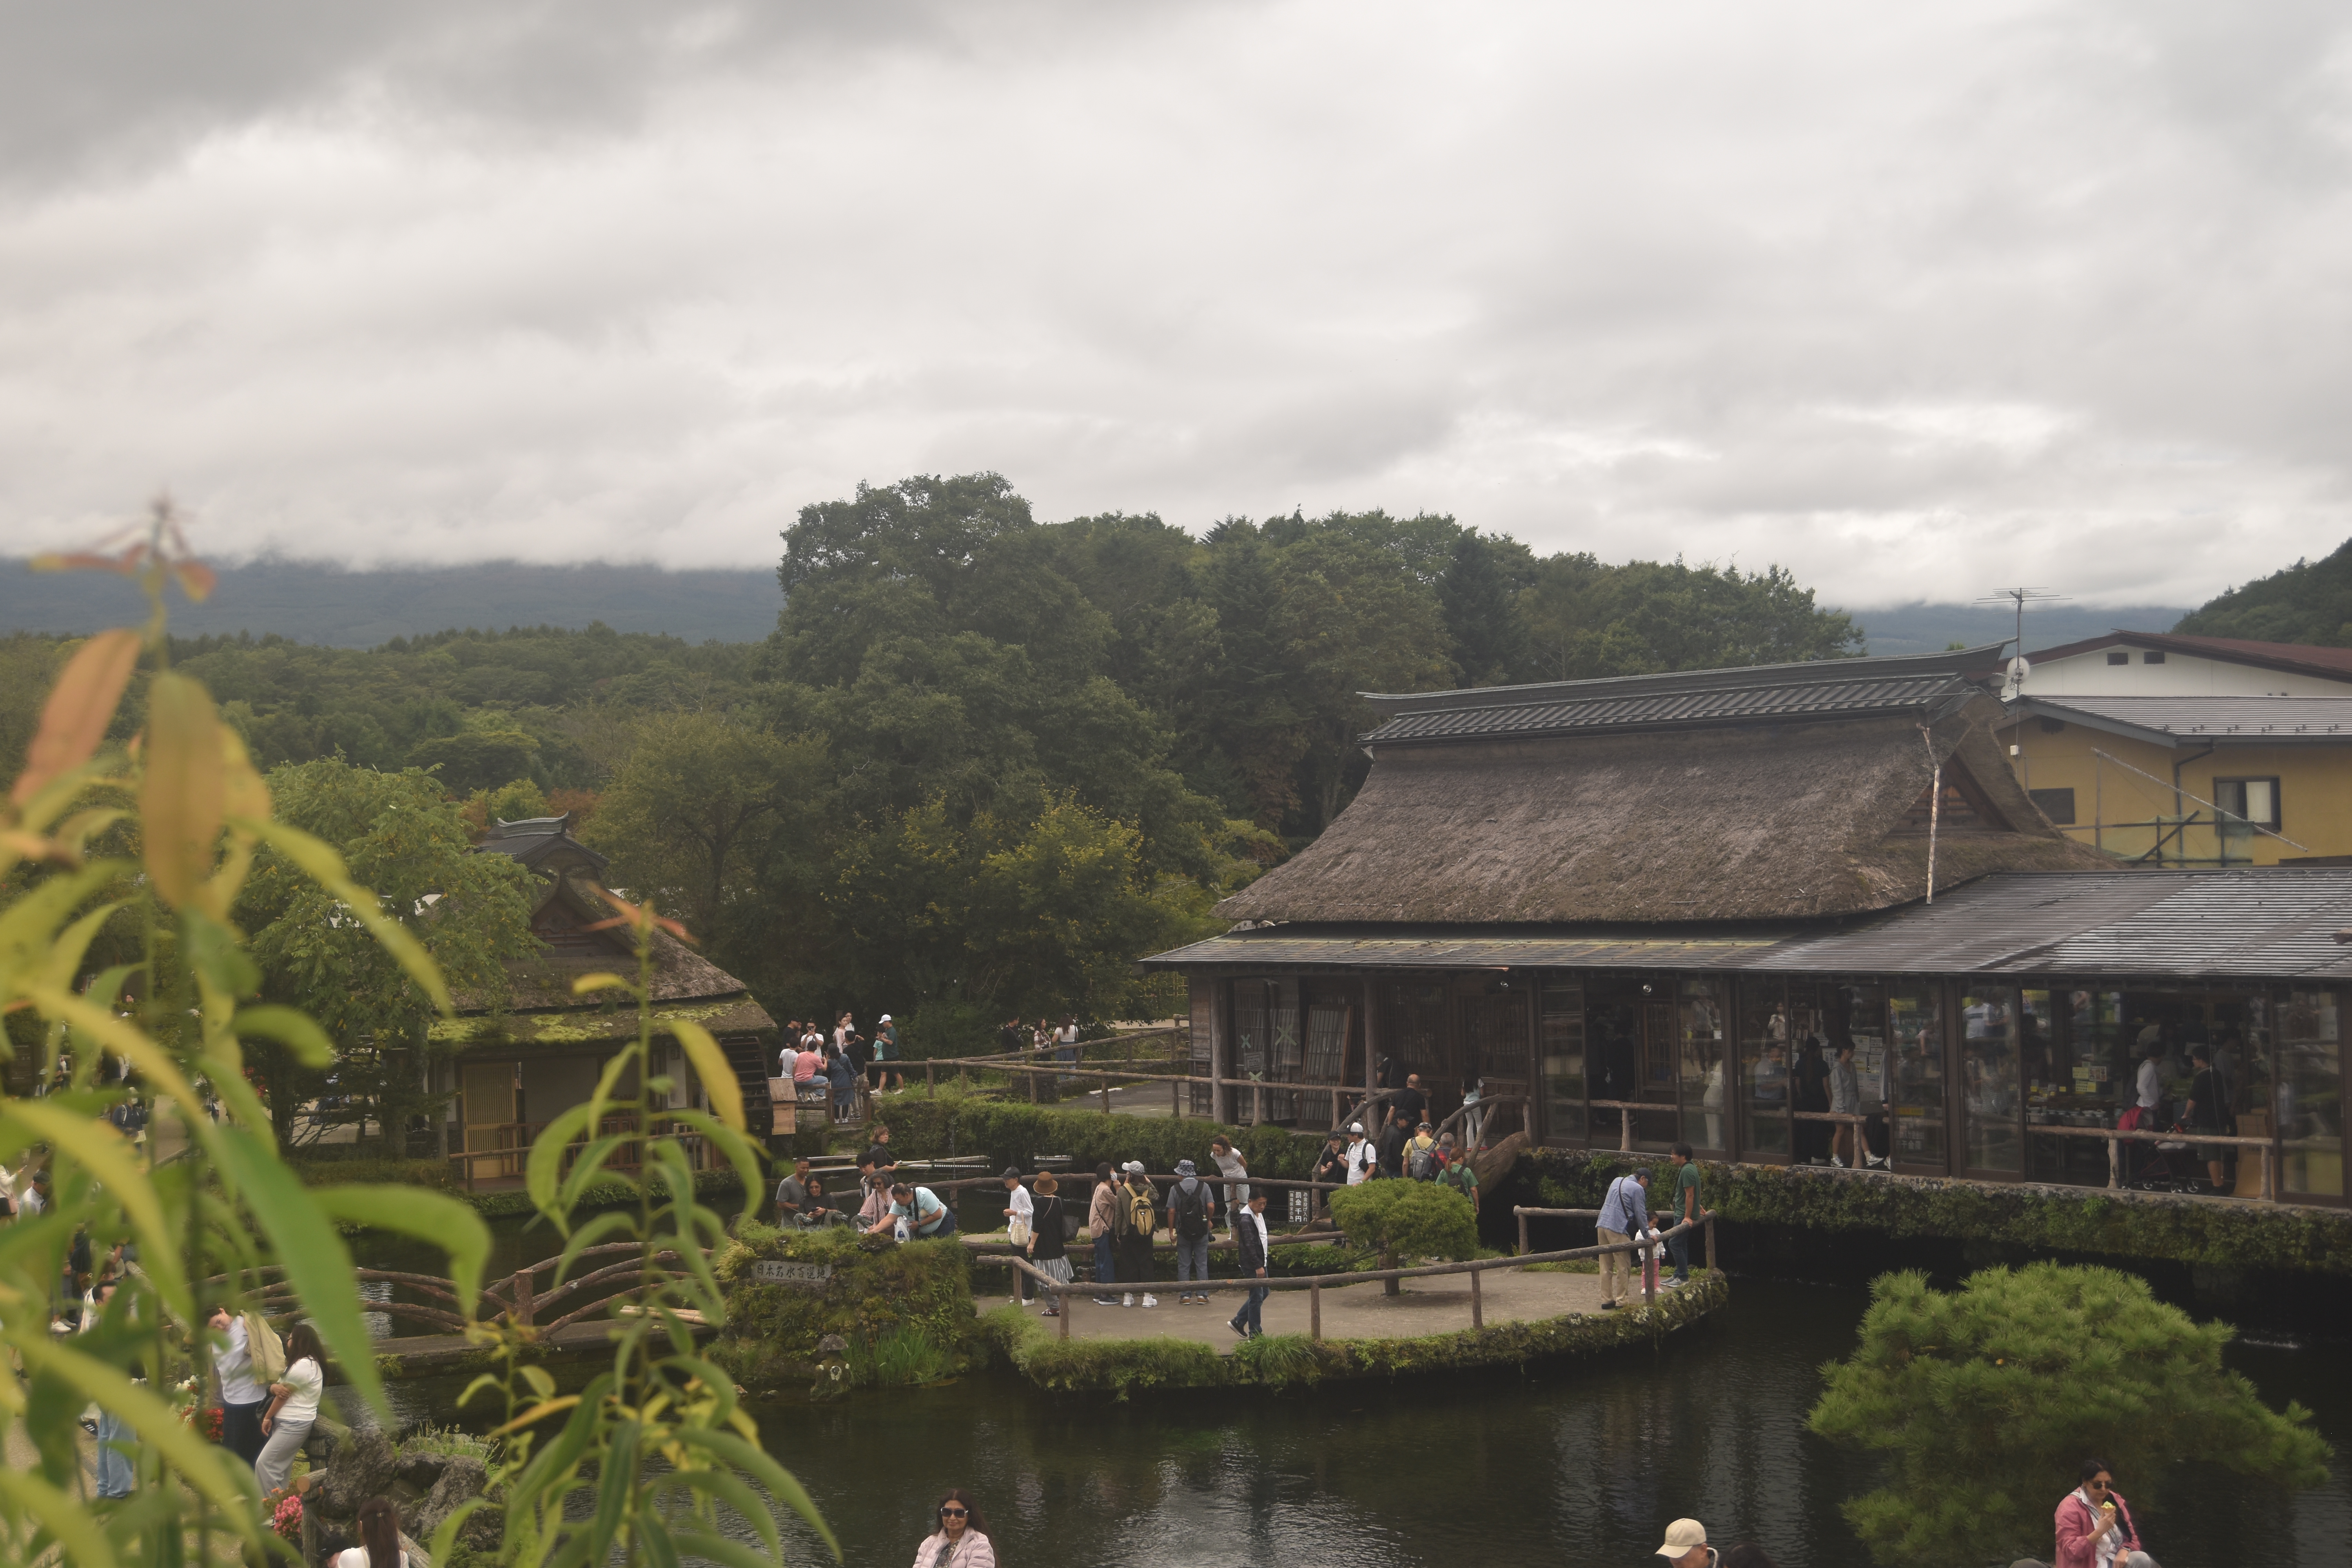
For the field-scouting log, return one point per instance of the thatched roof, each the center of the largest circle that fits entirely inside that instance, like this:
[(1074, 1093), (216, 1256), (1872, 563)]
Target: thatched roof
[(1723, 820)]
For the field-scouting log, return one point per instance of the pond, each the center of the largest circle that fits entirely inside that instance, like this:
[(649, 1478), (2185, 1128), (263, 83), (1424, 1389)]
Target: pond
[(1578, 1464)]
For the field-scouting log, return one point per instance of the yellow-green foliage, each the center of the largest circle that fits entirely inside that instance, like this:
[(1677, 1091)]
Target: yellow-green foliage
[(1408, 1219), (877, 1286), (1988, 1399)]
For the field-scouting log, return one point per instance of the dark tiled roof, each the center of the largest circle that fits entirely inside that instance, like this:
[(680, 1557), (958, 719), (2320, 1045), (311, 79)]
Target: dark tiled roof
[(2271, 720), (2266, 924), (1960, 661), (1859, 697)]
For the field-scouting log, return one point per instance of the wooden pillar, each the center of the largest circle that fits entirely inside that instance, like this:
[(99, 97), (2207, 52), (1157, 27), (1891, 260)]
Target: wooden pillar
[(1373, 1041), (522, 1297), (1711, 1244), (1523, 1235), (1315, 1309), (1478, 1303)]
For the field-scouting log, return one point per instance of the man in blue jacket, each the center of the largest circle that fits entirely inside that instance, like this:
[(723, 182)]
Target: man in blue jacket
[(1624, 1215)]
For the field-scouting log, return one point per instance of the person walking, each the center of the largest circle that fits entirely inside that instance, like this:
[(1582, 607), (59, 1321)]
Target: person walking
[(886, 1056), (842, 1074), (1420, 1161), (1065, 1044), (118, 1440), (1250, 1236), (1138, 1215), (1687, 1207), (1624, 1215), (1407, 1106), (1020, 1226), (1845, 1100), (1047, 1249), (1231, 1165), (1363, 1160), (242, 1399), (961, 1538), (2095, 1524), (1102, 1223), (294, 1405), (1191, 1217)]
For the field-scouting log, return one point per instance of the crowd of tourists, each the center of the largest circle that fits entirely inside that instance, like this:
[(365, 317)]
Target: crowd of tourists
[(836, 1066)]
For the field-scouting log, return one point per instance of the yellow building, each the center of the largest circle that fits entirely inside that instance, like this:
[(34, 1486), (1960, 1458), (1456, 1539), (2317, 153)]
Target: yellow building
[(2182, 751)]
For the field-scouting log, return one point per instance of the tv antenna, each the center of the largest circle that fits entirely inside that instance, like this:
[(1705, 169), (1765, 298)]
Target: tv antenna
[(2018, 668)]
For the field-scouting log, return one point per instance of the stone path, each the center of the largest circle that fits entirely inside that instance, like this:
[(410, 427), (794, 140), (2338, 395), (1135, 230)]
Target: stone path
[(1433, 1306)]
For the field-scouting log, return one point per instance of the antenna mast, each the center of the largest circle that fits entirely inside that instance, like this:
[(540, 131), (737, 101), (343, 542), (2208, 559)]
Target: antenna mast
[(2018, 669)]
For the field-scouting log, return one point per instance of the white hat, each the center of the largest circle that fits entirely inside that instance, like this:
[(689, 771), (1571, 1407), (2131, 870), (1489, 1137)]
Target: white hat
[(1355, 1127), (886, 1017), (1681, 1536), (1134, 1166)]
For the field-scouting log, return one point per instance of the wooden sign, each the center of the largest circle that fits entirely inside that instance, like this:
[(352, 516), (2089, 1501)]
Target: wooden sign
[(812, 1275)]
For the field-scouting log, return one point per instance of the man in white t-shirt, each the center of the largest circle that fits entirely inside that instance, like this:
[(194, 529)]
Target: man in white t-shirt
[(242, 1398), (1363, 1160)]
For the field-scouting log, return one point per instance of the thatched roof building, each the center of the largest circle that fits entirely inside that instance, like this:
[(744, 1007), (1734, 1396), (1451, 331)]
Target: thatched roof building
[(1788, 791)]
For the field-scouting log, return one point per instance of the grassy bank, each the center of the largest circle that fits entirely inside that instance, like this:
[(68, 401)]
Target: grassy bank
[(2129, 1226)]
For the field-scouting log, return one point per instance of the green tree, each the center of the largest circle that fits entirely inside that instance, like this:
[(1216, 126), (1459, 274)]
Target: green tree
[(2309, 601), (1988, 1399), (697, 810), (1586, 619), (469, 912), (1407, 1220)]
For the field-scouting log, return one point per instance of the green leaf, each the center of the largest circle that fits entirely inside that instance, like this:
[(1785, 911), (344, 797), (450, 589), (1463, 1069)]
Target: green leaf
[(719, 1549), (125, 1041), (588, 1236), (545, 1165), (447, 1224), (733, 1450), (157, 1423), (617, 1478), (74, 1527), (316, 1259), (730, 1488), (110, 1158), (320, 862), (291, 1028), (711, 1065), (741, 1152)]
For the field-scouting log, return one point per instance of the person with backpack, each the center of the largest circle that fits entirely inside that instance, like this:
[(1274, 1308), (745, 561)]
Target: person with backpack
[(1363, 1160), (1454, 1170), (1420, 1154), (1102, 1222), (1138, 1215), (1191, 1215)]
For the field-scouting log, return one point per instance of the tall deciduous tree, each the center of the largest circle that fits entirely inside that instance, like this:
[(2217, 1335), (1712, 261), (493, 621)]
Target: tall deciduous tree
[(402, 836), (1987, 1400)]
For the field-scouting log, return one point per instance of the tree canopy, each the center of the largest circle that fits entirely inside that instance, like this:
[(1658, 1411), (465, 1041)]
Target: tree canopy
[(2309, 601), (1988, 1399)]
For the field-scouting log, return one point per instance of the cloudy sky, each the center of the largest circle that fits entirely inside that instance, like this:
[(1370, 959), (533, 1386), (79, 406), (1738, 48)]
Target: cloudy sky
[(1918, 301)]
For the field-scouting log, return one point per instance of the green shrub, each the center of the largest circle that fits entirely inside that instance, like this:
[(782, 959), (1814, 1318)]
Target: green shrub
[(953, 1122), (901, 1357), (1407, 1220), (450, 1440), (1988, 1399), (878, 1286), (1275, 1361)]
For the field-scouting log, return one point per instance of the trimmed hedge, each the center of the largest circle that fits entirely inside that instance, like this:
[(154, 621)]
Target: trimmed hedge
[(720, 1184), (2134, 1226), (877, 1286), (1122, 1367), (954, 1123)]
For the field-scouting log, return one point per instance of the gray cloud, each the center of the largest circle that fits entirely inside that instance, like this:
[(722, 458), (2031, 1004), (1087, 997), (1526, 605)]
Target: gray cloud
[(1917, 303)]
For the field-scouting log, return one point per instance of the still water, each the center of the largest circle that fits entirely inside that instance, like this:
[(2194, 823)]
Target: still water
[(1578, 1464)]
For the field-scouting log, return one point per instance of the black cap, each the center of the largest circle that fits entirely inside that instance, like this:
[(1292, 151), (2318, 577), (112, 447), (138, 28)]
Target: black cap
[(1012, 1172)]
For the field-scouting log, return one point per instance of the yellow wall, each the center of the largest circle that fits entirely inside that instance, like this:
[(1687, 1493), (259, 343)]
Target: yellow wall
[(2315, 793)]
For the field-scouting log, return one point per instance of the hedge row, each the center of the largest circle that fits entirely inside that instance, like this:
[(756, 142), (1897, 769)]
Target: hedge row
[(1122, 1367), (1012, 1132), (2137, 1227)]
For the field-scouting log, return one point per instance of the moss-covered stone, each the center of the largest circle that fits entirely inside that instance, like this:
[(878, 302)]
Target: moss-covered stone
[(2135, 1226), (1123, 1367), (877, 1285)]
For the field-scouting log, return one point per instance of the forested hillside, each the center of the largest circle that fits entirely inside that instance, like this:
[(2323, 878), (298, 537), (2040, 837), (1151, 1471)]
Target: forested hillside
[(983, 761), (2309, 601)]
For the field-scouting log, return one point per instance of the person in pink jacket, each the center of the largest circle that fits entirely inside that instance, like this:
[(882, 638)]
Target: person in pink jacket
[(2095, 1525), (961, 1538)]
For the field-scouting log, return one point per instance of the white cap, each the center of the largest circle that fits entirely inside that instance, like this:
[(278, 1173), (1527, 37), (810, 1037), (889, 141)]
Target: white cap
[(1355, 1127), (1681, 1536), (886, 1017)]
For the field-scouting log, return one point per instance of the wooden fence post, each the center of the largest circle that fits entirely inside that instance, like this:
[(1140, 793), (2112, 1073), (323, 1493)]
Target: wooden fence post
[(1711, 1244), (1315, 1309), (1523, 1235), (1477, 1303), (522, 1297), (1625, 1131), (1106, 1093), (1176, 1100)]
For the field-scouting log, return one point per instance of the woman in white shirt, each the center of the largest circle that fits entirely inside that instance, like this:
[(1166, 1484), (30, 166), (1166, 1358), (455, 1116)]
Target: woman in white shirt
[(379, 1547), (293, 1405), (242, 1399)]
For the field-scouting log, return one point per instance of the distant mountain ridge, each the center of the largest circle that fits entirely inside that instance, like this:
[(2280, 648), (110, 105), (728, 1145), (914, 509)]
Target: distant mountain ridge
[(336, 607), (315, 602), (2309, 601)]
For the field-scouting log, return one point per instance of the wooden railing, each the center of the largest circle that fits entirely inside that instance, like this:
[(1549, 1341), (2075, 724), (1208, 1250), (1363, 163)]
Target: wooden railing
[(2116, 1137), (516, 1297), (1313, 1284), (510, 1151)]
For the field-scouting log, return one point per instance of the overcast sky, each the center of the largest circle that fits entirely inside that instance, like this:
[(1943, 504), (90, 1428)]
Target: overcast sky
[(1919, 301)]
